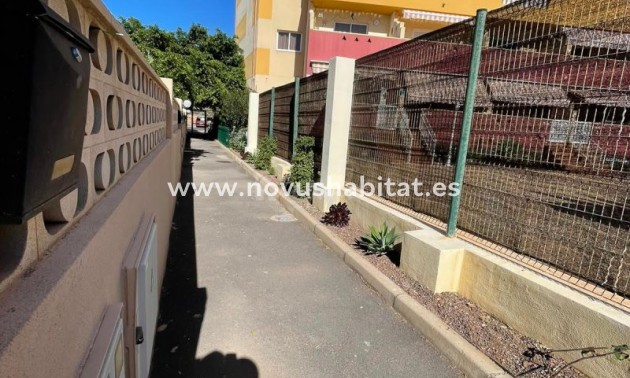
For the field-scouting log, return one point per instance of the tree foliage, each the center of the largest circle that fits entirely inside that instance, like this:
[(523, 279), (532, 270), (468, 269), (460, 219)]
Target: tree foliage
[(233, 110), (205, 68)]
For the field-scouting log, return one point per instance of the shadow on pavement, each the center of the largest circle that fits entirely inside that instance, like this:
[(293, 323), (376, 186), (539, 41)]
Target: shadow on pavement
[(182, 303), (218, 365), (211, 134)]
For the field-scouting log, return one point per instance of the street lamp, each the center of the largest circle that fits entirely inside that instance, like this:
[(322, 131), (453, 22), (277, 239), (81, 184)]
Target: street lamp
[(187, 105)]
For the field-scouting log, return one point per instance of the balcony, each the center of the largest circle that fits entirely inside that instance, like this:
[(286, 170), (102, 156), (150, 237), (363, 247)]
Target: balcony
[(325, 45), (464, 8)]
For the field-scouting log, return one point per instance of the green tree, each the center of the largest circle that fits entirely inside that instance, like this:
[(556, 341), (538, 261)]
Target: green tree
[(205, 67), (233, 109)]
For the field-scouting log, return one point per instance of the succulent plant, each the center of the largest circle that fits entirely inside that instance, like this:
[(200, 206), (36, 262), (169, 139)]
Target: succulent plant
[(379, 242), (338, 215)]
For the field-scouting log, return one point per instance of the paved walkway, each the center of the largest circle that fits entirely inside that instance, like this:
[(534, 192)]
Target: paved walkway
[(245, 296)]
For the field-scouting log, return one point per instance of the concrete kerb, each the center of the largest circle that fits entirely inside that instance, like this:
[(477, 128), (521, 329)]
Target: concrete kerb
[(458, 350), (374, 277), (338, 246), (298, 212), (463, 354), (259, 177)]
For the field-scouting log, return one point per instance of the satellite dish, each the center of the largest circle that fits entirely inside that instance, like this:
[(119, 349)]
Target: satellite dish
[(187, 104)]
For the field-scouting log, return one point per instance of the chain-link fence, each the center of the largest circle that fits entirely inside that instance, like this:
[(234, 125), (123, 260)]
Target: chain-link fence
[(548, 169)]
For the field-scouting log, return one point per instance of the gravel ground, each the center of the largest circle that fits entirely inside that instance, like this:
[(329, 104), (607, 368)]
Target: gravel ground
[(502, 344)]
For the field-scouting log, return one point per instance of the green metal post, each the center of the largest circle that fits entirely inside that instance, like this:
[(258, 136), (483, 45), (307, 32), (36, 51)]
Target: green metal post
[(296, 113), (272, 111), (469, 108)]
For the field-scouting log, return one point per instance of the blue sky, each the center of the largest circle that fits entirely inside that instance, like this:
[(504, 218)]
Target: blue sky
[(170, 15)]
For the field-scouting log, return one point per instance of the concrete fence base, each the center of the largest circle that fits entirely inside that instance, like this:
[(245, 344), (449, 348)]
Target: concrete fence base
[(281, 168), (559, 316)]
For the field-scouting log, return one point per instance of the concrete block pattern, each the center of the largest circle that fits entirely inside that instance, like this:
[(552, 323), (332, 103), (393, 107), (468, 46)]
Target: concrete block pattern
[(59, 264)]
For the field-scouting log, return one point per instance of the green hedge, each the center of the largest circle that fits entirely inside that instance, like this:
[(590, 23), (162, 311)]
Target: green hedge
[(224, 135)]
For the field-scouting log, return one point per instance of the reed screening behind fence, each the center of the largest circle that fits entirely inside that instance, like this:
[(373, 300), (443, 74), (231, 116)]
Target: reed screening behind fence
[(283, 120), (264, 114), (312, 112), (285, 115)]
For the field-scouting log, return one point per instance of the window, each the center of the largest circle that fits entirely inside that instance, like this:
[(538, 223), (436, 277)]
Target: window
[(351, 28), (576, 132), (288, 41)]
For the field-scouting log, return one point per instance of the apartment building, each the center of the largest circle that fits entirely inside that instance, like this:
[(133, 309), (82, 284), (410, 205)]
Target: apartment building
[(284, 39)]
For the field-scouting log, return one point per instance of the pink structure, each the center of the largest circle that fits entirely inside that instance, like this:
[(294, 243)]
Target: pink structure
[(323, 46)]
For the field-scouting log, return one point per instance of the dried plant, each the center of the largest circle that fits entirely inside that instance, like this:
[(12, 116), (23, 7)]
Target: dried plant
[(542, 357)]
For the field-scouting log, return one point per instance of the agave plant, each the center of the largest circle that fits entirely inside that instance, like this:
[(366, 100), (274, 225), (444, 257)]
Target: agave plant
[(338, 215), (379, 242)]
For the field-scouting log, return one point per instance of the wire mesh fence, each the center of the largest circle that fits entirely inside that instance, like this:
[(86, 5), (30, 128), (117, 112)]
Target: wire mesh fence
[(396, 132), (548, 169)]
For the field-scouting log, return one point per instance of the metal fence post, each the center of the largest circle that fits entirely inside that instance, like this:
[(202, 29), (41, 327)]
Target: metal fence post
[(296, 113), (469, 108), (272, 111)]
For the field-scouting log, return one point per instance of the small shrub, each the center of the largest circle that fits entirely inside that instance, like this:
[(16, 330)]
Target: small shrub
[(379, 242), (304, 144), (267, 148), (338, 215), (238, 139), (303, 170)]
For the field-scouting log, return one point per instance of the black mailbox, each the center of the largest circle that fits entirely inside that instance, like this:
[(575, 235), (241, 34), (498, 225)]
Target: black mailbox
[(43, 104)]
